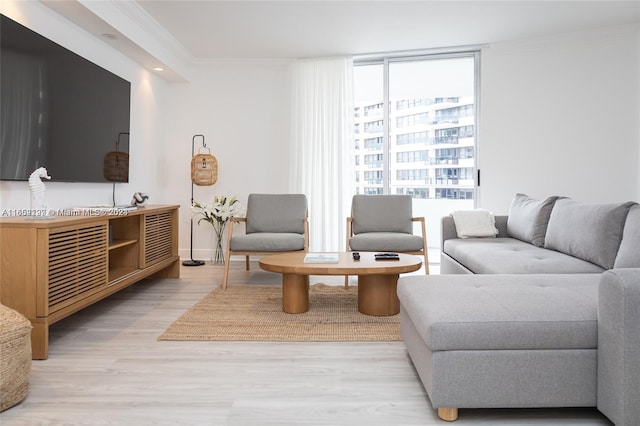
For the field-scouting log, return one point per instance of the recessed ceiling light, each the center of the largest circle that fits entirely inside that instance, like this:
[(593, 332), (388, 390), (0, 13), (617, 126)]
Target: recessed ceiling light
[(109, 36), (158, 69)]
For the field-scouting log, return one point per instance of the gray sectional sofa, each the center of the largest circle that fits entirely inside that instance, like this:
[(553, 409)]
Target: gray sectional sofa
[(546, 313)]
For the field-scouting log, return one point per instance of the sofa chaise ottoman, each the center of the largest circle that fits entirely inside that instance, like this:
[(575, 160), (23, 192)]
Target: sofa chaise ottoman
[(547, 340)]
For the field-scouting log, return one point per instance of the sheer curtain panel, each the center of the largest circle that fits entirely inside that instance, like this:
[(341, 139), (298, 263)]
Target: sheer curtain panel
[(322, 146)]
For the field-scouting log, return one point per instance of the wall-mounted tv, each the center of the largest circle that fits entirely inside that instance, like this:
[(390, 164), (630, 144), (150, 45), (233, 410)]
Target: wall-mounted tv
[(59, 111)]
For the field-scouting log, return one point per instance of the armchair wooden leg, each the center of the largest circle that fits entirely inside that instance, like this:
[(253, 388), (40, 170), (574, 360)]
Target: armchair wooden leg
[(225, 275), (246, 262), (448, 414)]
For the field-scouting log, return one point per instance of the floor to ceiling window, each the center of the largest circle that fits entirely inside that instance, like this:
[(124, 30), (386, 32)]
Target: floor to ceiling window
[(416, 132)]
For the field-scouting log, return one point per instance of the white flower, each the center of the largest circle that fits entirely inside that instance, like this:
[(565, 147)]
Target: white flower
[(219, 211)]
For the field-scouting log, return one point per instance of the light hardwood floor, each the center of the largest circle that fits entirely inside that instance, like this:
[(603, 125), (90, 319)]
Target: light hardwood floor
[(106, 367)]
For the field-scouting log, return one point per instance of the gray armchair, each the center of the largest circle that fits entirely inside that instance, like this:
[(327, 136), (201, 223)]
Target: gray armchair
[(384, 223), (275, 223)]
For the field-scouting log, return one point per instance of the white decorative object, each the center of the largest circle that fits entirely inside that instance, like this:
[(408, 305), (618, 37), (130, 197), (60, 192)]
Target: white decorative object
[(37, 191), (139, 199)]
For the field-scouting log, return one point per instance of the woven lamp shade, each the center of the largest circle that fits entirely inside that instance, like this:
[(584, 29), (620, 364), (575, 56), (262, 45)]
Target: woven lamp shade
[(204, 169), (116, 166)]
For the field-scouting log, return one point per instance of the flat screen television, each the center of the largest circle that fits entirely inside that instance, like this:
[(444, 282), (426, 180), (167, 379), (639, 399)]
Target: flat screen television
[(59, 111)]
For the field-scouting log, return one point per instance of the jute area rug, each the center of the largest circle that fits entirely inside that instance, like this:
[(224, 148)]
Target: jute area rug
[(254, 313)]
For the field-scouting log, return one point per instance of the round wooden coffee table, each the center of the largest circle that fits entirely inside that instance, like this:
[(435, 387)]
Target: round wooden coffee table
[(377, 279)]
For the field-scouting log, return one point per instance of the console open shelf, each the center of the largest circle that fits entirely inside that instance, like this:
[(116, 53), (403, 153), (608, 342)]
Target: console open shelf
[(121, 243)]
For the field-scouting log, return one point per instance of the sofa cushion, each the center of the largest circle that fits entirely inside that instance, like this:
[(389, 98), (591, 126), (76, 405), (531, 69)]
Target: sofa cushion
[(512, 256), (591, 232), (629, 252), (500, 312), (268, 241), (386, 241), (528, 218)]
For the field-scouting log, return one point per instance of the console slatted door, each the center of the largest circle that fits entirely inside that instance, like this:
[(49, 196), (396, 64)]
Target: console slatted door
[(77, 264), (158, 237)]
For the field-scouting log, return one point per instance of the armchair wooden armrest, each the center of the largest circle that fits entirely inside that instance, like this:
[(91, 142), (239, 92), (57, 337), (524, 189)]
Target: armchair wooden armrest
[(230, 234), (306, 233), (349, 231)]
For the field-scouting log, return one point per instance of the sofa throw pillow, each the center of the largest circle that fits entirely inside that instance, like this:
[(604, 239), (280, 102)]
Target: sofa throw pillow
[(591, 232), (528, 218), (478, 223), (629, 252)]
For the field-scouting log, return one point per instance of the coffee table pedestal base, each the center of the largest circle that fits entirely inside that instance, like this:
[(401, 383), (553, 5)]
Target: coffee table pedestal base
[(295, 293), (377, 295)]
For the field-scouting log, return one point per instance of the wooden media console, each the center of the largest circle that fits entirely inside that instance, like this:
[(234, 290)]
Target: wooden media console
[(51, 268)]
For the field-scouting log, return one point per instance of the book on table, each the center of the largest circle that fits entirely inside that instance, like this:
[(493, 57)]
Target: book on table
[(321, 258)]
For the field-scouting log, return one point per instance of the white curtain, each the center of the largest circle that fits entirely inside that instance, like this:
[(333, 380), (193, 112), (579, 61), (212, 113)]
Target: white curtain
[(321, 154)]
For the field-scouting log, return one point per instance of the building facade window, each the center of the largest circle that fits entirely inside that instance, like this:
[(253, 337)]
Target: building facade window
[(373, 144), (374, 126), (412, 120), (411, 138), (373, 110), (412, 156)]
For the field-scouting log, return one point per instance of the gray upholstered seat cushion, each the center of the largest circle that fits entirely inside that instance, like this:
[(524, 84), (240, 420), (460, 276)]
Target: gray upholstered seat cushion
[(268, 241), (591, 232), (629, 252), (381, 213), (386, 241), (279, 213), (512, 256), (528, 218), (496, 312)]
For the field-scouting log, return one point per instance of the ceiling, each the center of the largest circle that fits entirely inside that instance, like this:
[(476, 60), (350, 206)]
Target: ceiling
[(299, 29), (176, 33)]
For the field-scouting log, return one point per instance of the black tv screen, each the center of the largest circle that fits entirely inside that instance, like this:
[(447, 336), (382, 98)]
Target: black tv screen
[(59, 111)]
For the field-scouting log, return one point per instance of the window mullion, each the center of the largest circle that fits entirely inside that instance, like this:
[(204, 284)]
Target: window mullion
[(386, 177)]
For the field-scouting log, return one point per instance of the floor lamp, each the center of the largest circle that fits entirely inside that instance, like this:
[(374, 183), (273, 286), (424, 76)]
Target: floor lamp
[(191, 261)]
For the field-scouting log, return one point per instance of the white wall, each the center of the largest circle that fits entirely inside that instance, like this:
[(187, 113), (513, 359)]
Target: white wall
[(242, 109), (560, 115), (148, 153)]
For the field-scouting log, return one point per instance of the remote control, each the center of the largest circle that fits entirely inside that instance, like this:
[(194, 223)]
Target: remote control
[(387, 256)]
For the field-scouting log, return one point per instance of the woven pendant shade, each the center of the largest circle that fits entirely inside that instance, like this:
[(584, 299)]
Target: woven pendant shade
[(116, 166), (204, 169)]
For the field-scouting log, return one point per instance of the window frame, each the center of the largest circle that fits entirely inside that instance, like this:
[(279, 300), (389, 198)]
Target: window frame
[(389, 58)]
